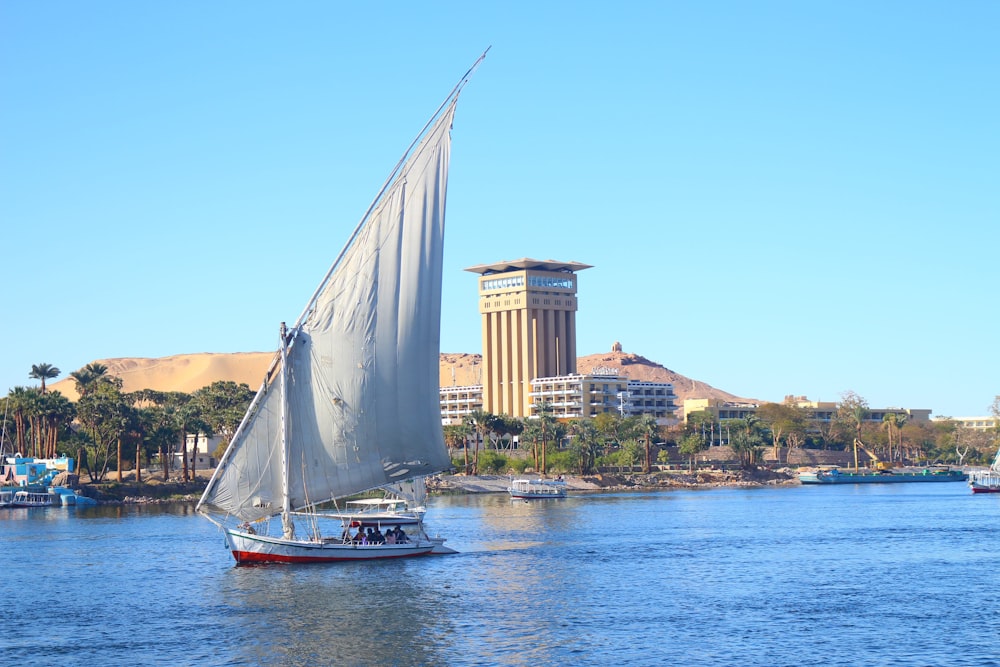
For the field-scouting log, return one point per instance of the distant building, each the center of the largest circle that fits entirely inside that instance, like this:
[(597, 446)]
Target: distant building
[(528, 310), (973, 423), (574, 396), (457, 403), (823, 411), (199, 450)]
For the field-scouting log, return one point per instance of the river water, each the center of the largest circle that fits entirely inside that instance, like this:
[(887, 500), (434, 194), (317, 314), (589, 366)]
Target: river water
[(904, 574)]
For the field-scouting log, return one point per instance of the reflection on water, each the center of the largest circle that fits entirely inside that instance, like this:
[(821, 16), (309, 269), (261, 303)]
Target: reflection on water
[(730, 576), (339, 613)]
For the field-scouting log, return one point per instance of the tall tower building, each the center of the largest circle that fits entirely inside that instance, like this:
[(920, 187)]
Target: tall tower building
[(528, 309)]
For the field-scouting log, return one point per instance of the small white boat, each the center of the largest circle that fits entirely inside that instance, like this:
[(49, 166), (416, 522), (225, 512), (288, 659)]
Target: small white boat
[(529, 489), (378, 511), (31, 499)]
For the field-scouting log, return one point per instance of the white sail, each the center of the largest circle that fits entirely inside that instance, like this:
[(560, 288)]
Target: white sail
[(360, 405)]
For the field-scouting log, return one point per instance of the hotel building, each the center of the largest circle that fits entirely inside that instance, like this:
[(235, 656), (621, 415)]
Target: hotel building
[(528, 310)]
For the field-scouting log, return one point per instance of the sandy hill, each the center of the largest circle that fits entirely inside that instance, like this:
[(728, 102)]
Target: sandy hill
[(190, 372), (181, 372)]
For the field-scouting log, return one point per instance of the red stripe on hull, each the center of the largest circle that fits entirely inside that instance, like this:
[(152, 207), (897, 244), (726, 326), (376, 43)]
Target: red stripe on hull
[(252, 558), (977, 489)]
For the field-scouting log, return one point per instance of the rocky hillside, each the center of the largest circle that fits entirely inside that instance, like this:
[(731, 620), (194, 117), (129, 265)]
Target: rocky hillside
[(189, 372)]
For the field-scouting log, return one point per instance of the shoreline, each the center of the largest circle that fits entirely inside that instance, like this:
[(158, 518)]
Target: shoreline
[(153, 491), (620, 481)]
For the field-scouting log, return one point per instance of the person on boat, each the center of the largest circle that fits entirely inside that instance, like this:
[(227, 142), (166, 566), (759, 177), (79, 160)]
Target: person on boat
[(359, 537), (390, 536), (377, 537), (401, 537)]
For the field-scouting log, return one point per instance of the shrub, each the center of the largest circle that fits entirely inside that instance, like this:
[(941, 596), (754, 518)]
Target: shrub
[(562, 461), (518, 465), (492, 463)]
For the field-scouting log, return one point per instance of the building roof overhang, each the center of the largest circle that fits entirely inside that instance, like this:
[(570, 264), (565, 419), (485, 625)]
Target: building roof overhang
[(526, 263)]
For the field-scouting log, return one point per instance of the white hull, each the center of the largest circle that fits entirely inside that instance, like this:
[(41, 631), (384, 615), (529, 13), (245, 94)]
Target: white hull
[(249, 549)]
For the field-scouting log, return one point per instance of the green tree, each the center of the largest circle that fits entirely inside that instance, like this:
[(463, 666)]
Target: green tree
[(482, 422), (43, 372), (648, 428), (160, 431), (192, 421), (547, 420), (690, 445), (88, 377), (456, 435), (585, 443), (223, 405), (530, 437), (746, 440), (785, 421), (853, 410), (32, 411), (629, 453), (506, 427), (56, 412), (105, 412), (19, 401)]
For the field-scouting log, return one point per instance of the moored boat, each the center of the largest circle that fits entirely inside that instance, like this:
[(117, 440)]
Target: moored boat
[(834, 475), (986, 481), (378, 511), (32, 499), (350, 402), (536, 489)]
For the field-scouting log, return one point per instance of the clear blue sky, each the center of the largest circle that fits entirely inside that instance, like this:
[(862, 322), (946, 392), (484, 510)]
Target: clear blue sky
[(777, 197)]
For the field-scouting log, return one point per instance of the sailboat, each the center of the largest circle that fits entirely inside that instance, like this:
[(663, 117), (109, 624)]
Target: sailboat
[(350, 403)]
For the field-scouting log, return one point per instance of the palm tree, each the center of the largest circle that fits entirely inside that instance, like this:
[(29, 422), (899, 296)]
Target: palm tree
[(57, 410), (456, 434), (586, 443), (88, 376), (544, 412), (43, 372), (19, 400), (32, 411), (531, 434), (746, 441), (648, 427), (482, 422)]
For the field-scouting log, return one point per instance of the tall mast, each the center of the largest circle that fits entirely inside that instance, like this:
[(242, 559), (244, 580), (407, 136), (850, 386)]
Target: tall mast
[(286, 522)]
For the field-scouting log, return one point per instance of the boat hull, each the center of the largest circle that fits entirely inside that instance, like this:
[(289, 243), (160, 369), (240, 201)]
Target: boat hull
[(250, 549), (522, 495)]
